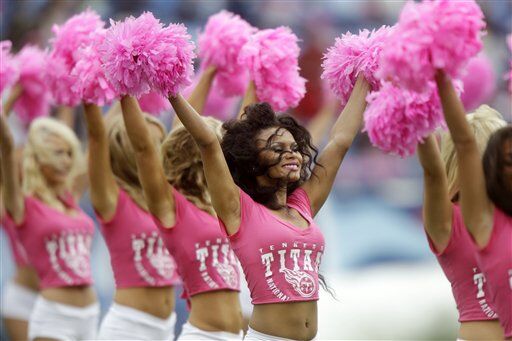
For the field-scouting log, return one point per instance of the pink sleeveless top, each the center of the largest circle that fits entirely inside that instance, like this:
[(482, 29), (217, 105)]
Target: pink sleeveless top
[(496, 262), (18, 252), (204, 257), (469, 286), (58, 245), (280, 260), (137, 253)]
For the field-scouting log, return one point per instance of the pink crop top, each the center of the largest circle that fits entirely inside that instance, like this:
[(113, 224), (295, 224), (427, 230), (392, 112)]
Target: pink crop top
[(458, 261), (496, 262), (280, 261), (137, 253), (204, 257), (18, 252), (58, 245)]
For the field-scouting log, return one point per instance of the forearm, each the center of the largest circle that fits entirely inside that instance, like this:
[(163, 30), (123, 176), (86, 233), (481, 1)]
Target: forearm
[(319, 125), (350, 120), (136, 126), (195, 125), (96, 131), (430, 158), (454, 113), (65, 115), (249, 98), (11, 191), (199, 95), (15, 93)]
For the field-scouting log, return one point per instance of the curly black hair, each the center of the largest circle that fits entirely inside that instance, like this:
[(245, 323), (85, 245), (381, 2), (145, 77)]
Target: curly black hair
[(241, 151), (494, 163)]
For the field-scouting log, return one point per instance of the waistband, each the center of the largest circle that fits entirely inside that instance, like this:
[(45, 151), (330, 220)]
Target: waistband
[(140, 316), (69, 310), (255, 335)]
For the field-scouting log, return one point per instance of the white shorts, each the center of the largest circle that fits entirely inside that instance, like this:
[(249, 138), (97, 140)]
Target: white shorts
[(125, 323), (189, 332), (63, 322), (257, 336), (17, 301)]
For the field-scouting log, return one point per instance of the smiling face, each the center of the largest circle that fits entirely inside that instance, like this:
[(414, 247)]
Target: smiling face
[(279, 153), (57, 162)]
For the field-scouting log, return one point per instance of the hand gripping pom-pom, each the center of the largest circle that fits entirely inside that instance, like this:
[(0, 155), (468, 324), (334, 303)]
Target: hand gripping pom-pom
[(437, 34), (141, 55), (35, 98), (352, 55), (9, 72), (75, 34), (219, 45), (272, 58), (397, 119)]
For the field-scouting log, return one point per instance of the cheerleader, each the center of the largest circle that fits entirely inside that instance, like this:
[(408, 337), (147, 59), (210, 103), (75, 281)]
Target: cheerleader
[(144, 272), (178, 198), (52, 228), (485, 204), (261, 188)]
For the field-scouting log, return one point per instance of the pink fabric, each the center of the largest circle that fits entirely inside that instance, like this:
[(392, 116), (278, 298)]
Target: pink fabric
[(58, 245), (280, 260), (137, 253), (204, 257), (496, 262), (458, 261), (18, 252)]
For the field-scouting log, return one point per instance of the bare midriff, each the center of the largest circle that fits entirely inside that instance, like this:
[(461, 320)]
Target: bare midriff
[(78, 296), (481, 330), (217, 311), (294, 320), (156, 301), (26, 276)]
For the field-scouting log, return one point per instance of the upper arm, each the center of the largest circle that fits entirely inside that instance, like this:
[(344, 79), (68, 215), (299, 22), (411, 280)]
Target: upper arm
[(437, 209), (104, 190), (157, 191)]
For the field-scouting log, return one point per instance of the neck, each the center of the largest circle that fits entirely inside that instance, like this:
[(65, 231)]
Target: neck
[(281, 196)]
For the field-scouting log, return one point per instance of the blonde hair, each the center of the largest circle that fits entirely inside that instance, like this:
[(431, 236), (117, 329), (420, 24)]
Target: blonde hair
[(183, 165), (122, 157), (37, 152), (483, 122)]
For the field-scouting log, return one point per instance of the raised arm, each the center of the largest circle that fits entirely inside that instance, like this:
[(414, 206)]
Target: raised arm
[(14, 94), (199, 95), (104, 189), (223, 190), (342, 134), (249, 98), (477, 209), (11, 191), (320, 123), (437, 211), (157, 191)]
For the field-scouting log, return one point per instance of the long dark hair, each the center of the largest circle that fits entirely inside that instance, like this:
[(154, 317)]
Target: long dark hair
[(494, 163), (241, 151)]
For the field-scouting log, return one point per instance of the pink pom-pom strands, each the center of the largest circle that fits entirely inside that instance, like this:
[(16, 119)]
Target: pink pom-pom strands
[(479, 82), (154, 103), (272, 58), (35, 98), (219, 45), (77, 33), (9, 72), (397, 119), (352, 55), (141, 55), (434, 34)]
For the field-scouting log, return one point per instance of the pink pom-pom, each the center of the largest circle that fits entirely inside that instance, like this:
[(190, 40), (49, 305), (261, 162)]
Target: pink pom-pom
[(219, 45), (397, 119), (479, 82), (9, 72), (75, 34), (91, 84), (272, 58), (35, 98), (437, 34), (352, 55), (154, 103), (140, 55)]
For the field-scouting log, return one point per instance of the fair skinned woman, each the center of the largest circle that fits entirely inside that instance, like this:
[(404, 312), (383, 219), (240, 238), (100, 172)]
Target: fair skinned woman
[(53, 230), (485, 192), (265, 199)]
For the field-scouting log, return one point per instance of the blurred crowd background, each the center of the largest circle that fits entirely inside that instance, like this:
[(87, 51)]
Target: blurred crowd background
[(387, 282)]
